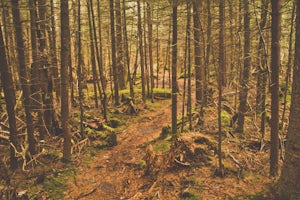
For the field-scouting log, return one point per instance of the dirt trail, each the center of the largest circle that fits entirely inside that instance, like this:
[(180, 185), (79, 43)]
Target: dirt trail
[(112, 174)]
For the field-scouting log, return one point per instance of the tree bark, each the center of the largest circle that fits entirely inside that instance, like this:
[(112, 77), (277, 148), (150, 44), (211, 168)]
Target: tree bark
[(92, 56), (289, 183), (174, 69), (79, 67), (23, 74), (113, 52), (140, 36), (10, 100), (129, 78), (222, 65), (119, 46), (246, 71), (65, 63), (197, 56), (274, 86), (150, 30), (99, 59)]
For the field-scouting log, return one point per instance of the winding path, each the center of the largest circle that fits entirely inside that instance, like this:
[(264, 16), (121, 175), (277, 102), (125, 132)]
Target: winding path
[(111, 174)]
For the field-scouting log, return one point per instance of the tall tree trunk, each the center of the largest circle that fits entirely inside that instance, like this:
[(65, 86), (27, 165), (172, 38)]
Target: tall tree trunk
[(35, 78), (119, 46), (197, 57), (174, 69), (274, 86), (100, 62), (150, 30), (261, 68), (65, 64), (79, 67), (45, 73), (146, 51), (289, 66), (92, 54), (113, 51), (53, 47), (127, 57), (10, 100), (157, 50), (23, 74), (222, 65), (208, 50), (189, 63), (140, 36), (246, 70), (289, 183)]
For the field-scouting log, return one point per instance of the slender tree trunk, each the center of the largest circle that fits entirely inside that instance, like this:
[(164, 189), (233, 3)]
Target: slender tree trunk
[(208, 49), (130, 80), (45, 72), (189, 62), (167, 62), (246, 70), (174, 69), (150, 30), (119, 46), (100, 63), (79, 67), (261, 69), (146, 51), (38, 105), (65, 63), (222, 65), (289, 183), (23, 74), (197, 57), (140, 36), (10, 100), (184, 70), (113, 51), (93, 60), (53, 50), (274, 87), (289, 66)]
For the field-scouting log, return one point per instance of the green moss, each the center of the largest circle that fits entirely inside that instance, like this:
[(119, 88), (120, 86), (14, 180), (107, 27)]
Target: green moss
[(89, 131), (168, 138), (108, 128), (225, 118), (142, 164), (162, 92), (105, 139), (162, 146), (56, 184), (115, 122)]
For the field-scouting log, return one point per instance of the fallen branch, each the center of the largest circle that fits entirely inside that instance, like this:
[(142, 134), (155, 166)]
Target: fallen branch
[(186, 164), (82, 195), (4, 137), (240, 167)]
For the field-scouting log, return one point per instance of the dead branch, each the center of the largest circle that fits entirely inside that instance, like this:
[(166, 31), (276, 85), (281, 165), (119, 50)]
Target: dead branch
[(4, 137), (82, 195), (80, 145), (185, 164)]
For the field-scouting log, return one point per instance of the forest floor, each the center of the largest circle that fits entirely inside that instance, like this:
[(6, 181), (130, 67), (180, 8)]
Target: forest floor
[(148, 165)]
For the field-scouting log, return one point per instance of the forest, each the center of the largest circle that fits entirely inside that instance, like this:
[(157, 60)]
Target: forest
[(150, 99)]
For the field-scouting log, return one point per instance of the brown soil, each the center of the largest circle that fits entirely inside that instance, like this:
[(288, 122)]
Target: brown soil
[(116, 174)]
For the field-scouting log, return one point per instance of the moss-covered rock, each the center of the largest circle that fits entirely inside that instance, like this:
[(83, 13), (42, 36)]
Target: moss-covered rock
[(115, 122), (105, 139)]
